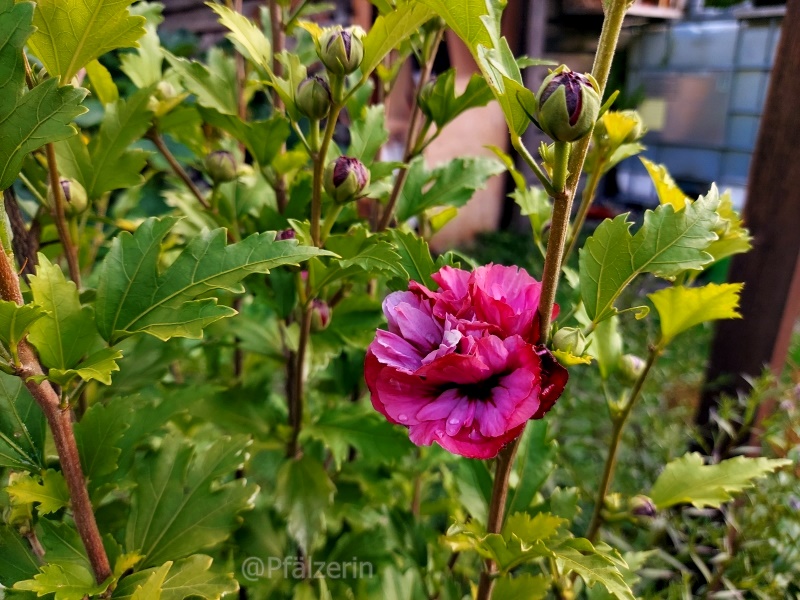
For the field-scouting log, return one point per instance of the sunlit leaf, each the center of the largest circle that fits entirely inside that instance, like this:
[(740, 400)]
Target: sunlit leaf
[(49, 491), (192, 577), (391, 29), (69, 582)]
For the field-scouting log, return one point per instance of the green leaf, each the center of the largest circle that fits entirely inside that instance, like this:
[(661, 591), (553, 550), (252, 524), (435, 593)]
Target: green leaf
[(415, 257), (354, 425), (41, 115), (681, 308), (22, 426), (735, 238), (188, 578), (530, 529), (533, 465), (102, 83), (688, 480), (522, 587), (17, 562), (62, 544), (49, 490), (98, 434), (246, 36), (304, 491), (535, 204), (70, 582), (97, 367), (667, 244), (134, 297), (452, 184), (389, 30), (144, 67), (593, 565), (15, 321), (606, 346), (180, 505), (213, 85), (263, 139), (151, 589), (72, 33), (475, 487), (368, 134), (443, 105), (465, 19), (65, 333), (502, 74)]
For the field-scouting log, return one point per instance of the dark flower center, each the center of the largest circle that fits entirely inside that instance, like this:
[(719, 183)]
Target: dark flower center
[(481, 390)]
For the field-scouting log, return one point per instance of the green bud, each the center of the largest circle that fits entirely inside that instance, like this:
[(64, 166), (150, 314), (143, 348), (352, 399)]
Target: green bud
[(424, 97), (76, 200), (571, 340), (221, 166), (345, 179), (341, 50), (314, 98), (631, 368), (567, 104)]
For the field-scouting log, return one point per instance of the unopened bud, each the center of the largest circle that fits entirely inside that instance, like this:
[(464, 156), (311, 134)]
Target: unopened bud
[(314, 98), (631, 368), (571, 340), (221, 166), (286, 234), (320, 315), (642, 506), (76, 200), (341, 50), (345, 179), (567, 104), (424, 97)]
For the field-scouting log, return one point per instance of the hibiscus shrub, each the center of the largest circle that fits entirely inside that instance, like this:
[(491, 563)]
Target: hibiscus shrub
[(204, 283)]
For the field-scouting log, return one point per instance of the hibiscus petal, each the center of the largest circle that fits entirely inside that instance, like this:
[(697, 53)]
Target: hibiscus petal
[(440, 409), (394, 351), (554, 379)]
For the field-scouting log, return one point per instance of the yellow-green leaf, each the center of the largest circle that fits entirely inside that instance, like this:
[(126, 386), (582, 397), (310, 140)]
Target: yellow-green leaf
[(49, 490), (389, 30), (102, 83), (72, 33), (68, 582), (666, 188), (681, 308), (245, 35), (688, 480), (15, 321)]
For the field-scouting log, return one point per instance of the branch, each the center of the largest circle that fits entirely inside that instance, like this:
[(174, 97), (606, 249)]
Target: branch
[(153, 136)]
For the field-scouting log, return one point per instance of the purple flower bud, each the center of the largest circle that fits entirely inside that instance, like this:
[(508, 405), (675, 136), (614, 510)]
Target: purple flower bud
[(314, 98), (341, 50), (642, 506), (345, 179), (286, 234), (567, 105), (320, 315), (221, 166), (74, 194)]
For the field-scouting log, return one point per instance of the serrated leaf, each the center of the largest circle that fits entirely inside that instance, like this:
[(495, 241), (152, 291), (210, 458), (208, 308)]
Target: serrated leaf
[(735, 238), (533, 465), (368, 134), (134, 297), (504, 78), (72, 33), (304, 492), (17, 562), (180, 505), (96, 367), (668, 243), (688, 480), (389, 30), (452, 184), (49, 491), (353, 426), (144, 66), (65, 333), (22, 426), (98, 434), (474, 484), (530, 529), (246, 36), (213, 85), (28, 119), (443, 105), (521, 587), (15, 321), (415, 257), (70, 582), (465, 19), (188, 578), (579, 556), (102, 83), (263, 139), (151, 589), (62, 544), (681, 308)]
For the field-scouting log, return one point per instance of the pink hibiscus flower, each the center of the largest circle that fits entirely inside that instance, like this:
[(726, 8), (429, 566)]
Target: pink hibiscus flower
[(460, 366)]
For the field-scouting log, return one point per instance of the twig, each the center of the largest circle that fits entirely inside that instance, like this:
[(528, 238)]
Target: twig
[(296, 407), (278, 44), (70, 251), (153, 136), (60, 422), (25, 245)]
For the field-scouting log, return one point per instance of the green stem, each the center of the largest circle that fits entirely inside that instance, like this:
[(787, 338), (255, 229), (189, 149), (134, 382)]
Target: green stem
[(589, 193), (60, 218), (516, 141), (330, 221), (613, 448), (319, 170)]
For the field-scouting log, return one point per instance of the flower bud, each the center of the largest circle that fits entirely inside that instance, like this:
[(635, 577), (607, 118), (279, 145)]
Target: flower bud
[(571, 340), (345, 179), (221, 166), (567, 104), (341, 50), (631, 368), (642, 506), (320, 315), (314, 98), (286, 234), (74, 195), (424, 97)]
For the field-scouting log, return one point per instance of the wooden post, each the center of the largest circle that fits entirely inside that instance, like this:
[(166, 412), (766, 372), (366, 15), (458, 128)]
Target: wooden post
[(771, 271)]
